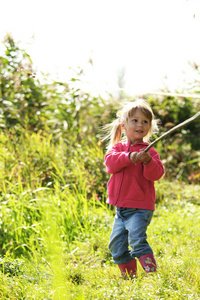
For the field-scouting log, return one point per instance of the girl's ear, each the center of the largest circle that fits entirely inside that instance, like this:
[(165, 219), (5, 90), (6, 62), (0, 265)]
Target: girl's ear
[(123, 126)]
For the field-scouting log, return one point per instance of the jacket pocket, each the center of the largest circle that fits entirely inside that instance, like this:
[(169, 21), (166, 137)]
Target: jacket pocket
[(131, 189)]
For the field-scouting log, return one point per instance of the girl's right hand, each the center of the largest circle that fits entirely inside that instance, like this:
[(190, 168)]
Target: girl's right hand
[(133, 157)]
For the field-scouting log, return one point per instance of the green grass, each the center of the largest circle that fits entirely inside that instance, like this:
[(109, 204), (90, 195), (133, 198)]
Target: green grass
[(65, 256), (54, 231)]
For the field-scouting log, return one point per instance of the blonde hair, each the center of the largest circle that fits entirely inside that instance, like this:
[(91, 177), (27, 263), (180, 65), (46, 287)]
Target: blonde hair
[(114, 130)]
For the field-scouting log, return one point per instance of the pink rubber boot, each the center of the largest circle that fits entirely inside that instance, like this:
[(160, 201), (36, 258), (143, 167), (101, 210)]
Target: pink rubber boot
[(148, 263), (128, 269)]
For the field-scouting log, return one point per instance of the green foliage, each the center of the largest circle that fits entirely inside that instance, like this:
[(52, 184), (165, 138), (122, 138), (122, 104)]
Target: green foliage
[(21, 95), (28, 215), (54, 223), (172, 111), (11, 267), (69, 118), (72, 119), (36, 161), (179, 151), (167, 191)]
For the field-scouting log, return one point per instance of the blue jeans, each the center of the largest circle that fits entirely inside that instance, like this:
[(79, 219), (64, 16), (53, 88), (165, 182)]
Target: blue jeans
[(129, 231)]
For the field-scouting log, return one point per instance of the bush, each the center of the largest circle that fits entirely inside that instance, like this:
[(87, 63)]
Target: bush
[(69, 121), (179, 151)]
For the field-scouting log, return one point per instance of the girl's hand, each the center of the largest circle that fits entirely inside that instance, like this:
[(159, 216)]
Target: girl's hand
[(144, 157), (133, 157)]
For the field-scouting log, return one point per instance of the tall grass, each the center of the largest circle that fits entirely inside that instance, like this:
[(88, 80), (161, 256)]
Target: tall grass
[(65, 255), (36, 182), (48, 227)]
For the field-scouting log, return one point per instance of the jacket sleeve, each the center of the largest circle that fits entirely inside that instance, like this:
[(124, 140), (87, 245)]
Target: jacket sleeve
[(116, 160), (154, 170)]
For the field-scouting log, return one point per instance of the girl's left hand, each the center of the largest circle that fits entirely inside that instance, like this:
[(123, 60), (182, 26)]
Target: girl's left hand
[(144, 157)]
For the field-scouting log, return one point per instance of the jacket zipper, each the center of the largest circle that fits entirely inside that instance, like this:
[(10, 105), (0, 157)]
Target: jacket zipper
[(120, 188)]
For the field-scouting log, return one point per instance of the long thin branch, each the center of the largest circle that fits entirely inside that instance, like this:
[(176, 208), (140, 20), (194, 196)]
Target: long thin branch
[(172, 130)]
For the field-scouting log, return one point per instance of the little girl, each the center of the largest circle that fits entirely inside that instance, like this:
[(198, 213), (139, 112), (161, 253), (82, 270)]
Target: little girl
[(131, 186)]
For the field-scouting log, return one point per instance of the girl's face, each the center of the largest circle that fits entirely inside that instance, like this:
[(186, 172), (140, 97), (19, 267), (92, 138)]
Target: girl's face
[(137, 127)]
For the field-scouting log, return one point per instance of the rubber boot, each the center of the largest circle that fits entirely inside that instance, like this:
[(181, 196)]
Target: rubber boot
[(148, 263), (128, 269)]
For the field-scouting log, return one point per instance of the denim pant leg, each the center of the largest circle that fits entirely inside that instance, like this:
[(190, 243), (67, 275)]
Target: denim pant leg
[(137, 227), (129, 229), (118, 245)]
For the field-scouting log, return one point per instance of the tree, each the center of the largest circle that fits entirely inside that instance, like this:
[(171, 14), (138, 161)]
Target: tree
[(21, 95)]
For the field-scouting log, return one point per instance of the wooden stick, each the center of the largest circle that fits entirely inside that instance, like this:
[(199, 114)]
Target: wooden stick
[(172, 130)]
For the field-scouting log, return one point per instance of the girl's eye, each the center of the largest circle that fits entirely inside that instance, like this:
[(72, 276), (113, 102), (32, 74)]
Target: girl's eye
[(135, 121)]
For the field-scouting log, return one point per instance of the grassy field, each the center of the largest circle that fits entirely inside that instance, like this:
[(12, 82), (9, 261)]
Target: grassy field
[(58, 246), (54, 223)]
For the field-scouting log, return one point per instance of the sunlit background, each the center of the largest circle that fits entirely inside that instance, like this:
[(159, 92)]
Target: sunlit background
[(139, 46)]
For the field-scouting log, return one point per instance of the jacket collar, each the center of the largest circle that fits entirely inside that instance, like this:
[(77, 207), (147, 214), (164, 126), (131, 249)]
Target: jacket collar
[(128, 144)]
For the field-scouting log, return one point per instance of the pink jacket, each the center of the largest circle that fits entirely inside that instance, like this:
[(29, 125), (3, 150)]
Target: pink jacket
[(132, 185)]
